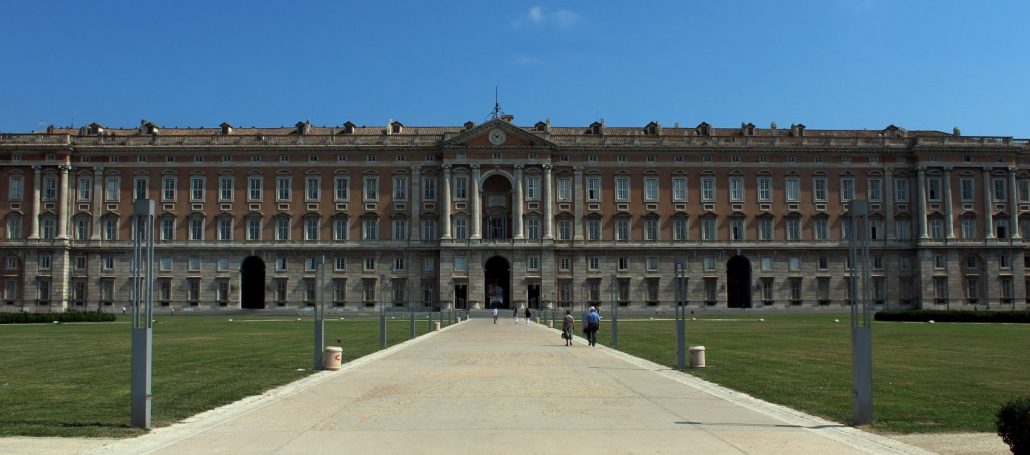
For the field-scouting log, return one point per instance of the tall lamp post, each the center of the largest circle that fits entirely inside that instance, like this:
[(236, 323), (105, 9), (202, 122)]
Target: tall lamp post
[(142, 312), (382, 310), (320, 317), (861, 323), (681, 317), (615, 312)]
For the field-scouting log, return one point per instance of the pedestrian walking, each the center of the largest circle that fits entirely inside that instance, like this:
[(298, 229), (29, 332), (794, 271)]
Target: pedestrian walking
[(528, 314), (494, 312), (593, 323), (123, 309), (515, 315), (568, 327)]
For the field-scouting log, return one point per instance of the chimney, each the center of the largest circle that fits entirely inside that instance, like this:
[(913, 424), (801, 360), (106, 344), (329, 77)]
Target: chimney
[(507, 118)]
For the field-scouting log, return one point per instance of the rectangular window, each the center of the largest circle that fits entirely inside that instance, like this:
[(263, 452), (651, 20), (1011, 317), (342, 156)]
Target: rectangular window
[(428, 264), (564, 189), (429, 230), (651, 229), (253, 228), (429, 188), (461, 228), (1000, 189), (533, 263), (370, 229), (371, 188), (765, 228), (593, 229), (197, 189), (622, 189), (110, 225), (312, 188), (794, 263), (225, 184), (282, 228), (341, 187), (937, 228), (82, 228), (400, 188), (167, 228), (196, 228), (532, 187), (679, 189), (793, 228), (707, 189), (651, 189), (792, 189), (168, 185), (847, 189), (282, 188), (969, 228), (532, 228), (111, 186), (736, 189), (224, 228), (901, 190), (16, 188), (460, 264), (736, 228), (679, 229), (819, 189), (622, 229), (623, 263), (593, 189), (967, 191), (1024, 191), (766, 263), (85, 188), (311, 229), (708, 228), (765, 189), (564, 229), (874, 190), (50, 188), (903, 229), (709, 263), (400, 229), (254, 184), (820, 229), (933, 189)]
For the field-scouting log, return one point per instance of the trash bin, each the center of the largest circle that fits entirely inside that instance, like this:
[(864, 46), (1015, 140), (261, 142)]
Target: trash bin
[(550, 324), (333, 357), (697, 356), (436, 326)]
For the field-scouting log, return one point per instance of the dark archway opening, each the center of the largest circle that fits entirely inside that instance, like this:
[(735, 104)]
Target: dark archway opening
[(738, 282), (498, 283), (252, 283)]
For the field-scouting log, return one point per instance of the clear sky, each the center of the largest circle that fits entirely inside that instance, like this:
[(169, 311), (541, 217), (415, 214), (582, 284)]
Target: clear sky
[(829, 64)]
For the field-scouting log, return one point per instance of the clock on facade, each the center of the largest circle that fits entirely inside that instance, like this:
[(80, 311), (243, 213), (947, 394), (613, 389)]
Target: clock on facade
[(496, 136)]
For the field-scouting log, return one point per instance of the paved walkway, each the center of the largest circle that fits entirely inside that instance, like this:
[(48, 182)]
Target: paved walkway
[(477, 387)]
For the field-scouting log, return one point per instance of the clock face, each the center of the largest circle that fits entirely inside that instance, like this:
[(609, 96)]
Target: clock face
[(496, 136)]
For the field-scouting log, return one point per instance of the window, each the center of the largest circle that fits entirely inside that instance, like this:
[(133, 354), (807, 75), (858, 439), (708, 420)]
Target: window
[(1003, 261), (939, 261), (222, 264), (225, 190), (593, 263), (370, 228), (16, 188), (310, 264), (400, 188), (765, 189), (564, 229), (792, 228), (193, 264), (679, 189), (43, 260), (651, 188), (679, 229), (111, 185), (461, 187), (765, 228), (254, 188), (736, 228), (767, 290), (1000, 190), (429, 188), (282, 188), (48, 228), (593, 189), (340, 264), (461, 228), (709, 263), (623, 264), (311, 228), (83, 226), (622, 229), (312, 188), (532, 187), (766, 263), (282, 228), (707, 189), (967, 191), (823, 263), (400, 229), (903, 228), (564, 189), (736, 189), (196, 228), (795, 291), (933, 189), (847, 189), (564, 264), (253, 228), (533, 263), (876, 229), (167, 228), (532, 228), (50, 187), (708, 228), (936, 228), (969, 228), (193, 291), (792, 191), (622, 189), (651, 229), (594, 229), (197, 189), (224, 228), (85, 188), (819, 189), (1024, 191), (460, 264), (110, 225), (794, 263), (874, 191), (820, 229), (429, 230), (280, 264), (652, 264), (341, 186)]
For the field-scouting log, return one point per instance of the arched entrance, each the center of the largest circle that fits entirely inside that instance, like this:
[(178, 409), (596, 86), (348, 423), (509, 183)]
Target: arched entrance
[(498, 283), (738, 282), (252, 283), (496, 208)]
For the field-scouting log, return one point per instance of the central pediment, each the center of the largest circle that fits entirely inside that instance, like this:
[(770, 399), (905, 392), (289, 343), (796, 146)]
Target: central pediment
[(497, 133)]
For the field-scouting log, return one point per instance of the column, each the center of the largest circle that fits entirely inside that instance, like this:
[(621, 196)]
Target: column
[(445, 204), (949, 220), (415, 226), (578, 227), (1013, 206), (988, 212), (477, 205), (548, 199), (37, 181), (921, 193), (98, 200), (888, 202), (62, 204), (516, 215)]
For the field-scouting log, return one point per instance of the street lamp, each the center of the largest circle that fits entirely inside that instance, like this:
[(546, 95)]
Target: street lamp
[(861, 323), (142, 312), (320, 317), (382, 310), (681, 316), (615, 312)]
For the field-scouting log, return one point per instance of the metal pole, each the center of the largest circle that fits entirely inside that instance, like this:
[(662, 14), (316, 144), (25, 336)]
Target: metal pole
[(615, 312), (861, 329), (320, 317), (681, 335), (382, 310), (142, 314)]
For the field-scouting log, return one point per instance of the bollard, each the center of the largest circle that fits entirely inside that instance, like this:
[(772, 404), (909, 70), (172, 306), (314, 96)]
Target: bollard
[(550, 324), (333, 357), (697, 357), (436, 326)]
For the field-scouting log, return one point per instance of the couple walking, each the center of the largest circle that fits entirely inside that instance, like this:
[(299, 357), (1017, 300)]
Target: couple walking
[(593, 322), (515, 315)]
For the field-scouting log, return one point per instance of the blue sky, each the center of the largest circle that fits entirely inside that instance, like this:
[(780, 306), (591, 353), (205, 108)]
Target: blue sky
[(825, 63)]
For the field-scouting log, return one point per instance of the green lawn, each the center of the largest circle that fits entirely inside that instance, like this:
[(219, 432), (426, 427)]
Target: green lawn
[(74, 379), (926, 377)]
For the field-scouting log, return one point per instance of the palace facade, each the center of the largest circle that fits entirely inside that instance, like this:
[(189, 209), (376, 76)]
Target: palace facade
[(497, 214)]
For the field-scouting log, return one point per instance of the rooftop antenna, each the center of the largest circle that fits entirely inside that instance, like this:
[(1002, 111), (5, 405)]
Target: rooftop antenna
[(497, 112)]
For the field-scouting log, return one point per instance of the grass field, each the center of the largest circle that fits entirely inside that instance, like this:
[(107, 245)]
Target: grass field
[(926, 377), (74, 379)]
